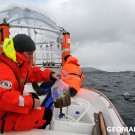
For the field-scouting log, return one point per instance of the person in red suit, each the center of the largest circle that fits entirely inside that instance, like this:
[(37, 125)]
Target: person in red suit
[(19, 110)]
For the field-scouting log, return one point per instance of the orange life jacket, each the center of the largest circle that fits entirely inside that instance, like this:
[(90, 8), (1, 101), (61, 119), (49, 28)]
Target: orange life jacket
[(71, 73)]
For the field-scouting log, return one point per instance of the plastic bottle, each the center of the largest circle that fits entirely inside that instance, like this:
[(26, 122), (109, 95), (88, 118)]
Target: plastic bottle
[(77, 114), (60, 94)]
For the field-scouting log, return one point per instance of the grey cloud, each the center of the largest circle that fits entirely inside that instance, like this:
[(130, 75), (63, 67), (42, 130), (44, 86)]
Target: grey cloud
[(114, 56), (102, 31)]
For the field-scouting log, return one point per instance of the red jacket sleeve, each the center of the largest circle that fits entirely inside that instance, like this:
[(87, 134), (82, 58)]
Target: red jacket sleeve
[(39, 74), (14, 101)]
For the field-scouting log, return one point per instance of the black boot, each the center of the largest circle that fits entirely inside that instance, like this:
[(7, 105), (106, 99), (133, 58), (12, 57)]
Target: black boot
[(47, 116), (38, 89)]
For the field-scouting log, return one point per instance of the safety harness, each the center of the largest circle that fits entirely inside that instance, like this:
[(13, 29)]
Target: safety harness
[(72, 73), (3, 122), (17, 73), (80, 75)]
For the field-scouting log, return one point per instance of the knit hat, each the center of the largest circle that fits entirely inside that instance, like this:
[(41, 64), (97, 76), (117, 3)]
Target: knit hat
[(23, 43)]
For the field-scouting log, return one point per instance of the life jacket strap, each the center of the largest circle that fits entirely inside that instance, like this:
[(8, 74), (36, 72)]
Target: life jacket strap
[(80, 75), (14, 67), (3, 122)]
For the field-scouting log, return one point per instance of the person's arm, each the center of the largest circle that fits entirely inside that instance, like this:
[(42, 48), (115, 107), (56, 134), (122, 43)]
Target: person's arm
[(14, 101), (39, 74)]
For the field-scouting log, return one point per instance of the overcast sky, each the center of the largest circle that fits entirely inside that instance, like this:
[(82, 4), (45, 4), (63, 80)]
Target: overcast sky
[(102, 31)]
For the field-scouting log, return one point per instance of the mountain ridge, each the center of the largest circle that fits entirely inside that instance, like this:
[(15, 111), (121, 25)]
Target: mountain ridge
[(91, 69), (96, 70)]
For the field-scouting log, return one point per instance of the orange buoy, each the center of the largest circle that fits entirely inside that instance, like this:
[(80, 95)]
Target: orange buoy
[(65, 45), (4, 33)]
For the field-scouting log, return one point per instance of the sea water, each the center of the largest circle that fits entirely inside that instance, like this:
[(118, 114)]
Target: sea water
[(119, 87)]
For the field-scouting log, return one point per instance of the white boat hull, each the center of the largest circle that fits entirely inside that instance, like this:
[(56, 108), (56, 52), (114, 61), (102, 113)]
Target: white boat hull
[(88, 103)]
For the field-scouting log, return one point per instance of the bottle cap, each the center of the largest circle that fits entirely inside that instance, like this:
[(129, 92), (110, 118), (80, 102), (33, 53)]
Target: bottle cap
[(77, 112)]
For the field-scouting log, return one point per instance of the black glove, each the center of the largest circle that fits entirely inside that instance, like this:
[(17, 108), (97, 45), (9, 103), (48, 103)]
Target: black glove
[(34, 95), (73, 92), (38, 89), (48, 84)]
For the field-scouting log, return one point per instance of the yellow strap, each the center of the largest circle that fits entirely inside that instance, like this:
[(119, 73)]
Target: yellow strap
[(8, 49)]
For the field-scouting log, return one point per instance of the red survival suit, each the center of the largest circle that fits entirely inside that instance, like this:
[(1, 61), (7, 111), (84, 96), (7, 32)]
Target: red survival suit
[(72, 73), (20, 115)]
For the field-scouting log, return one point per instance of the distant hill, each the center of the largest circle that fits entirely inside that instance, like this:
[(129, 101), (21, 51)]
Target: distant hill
[(95, 70), (91, 69)]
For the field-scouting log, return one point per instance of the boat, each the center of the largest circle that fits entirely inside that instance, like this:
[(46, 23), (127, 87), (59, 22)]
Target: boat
[(90, 112)]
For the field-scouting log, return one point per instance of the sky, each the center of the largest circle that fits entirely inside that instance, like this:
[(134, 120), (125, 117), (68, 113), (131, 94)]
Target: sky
[(102, 31)]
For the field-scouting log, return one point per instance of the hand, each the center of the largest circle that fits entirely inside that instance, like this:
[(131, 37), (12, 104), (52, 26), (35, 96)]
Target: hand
[(36, 103), (54, 76)]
